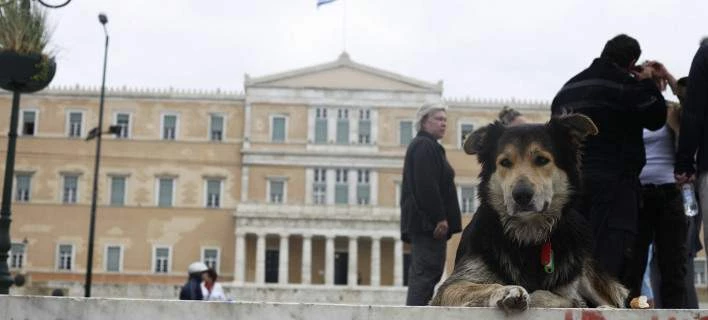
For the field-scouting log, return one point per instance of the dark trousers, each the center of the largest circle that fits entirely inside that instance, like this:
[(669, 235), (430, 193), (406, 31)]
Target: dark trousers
[(426, 268), (611, 207), (662, 221)]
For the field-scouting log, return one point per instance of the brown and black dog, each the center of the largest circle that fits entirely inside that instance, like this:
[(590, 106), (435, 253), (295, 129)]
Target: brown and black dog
[(526, 246)]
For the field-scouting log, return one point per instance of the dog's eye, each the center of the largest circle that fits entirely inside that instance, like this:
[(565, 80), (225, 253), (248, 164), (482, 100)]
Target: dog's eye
[(505, 163), (541, 161)]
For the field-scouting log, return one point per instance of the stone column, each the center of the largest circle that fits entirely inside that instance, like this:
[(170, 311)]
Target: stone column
[(283, 259), (353, 253), (260, 259), (329, 260), (306, 258), (375, 261), (244, 183), (240, 265), (398, 263)]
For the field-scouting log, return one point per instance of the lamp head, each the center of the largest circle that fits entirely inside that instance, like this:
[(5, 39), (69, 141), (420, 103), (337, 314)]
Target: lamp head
[(102, 18)]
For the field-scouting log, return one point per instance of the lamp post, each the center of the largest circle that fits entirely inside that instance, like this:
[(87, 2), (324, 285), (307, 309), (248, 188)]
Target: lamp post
[(92, 225), (17, 87)]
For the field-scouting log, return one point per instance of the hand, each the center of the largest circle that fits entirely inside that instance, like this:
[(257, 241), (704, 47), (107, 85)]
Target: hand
[(440, 231), (684, 178), (646, 72)]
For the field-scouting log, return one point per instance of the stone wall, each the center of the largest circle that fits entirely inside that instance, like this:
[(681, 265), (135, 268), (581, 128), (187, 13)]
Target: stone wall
[(40, 308), (282, 293)]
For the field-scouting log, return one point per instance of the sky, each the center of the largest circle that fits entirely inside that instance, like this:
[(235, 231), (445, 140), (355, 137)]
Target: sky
[(479, 49)]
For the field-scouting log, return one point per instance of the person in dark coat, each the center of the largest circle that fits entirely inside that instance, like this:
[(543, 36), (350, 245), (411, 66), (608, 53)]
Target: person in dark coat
[(430, 212), (192, 290), (621, 99)]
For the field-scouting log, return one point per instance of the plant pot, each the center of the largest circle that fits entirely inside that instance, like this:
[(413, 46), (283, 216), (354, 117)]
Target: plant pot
[(25, 73)]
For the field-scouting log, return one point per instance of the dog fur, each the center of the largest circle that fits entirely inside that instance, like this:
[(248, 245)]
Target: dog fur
[(528, 184)]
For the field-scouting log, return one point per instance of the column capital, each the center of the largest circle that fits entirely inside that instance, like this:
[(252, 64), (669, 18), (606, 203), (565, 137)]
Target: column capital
[(284, 234)]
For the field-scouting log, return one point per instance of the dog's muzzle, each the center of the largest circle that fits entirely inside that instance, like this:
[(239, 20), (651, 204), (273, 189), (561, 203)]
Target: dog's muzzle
[(523, 195)]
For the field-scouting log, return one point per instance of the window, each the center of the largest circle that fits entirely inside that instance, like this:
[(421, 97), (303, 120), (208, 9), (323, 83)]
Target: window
[(321, 125), (319, 187), (165, 192), (117, 191), (278, 129), (406, 132), (123, 121), (342, 126), (271, 266), (17, 255), (213, 193), (216, 131), (468, 199), (74, 124), (114, 258), (276, 193), (169, 126), (23, 187), (71, 187), (363, 187), (65, 257), (699, 267), (341, 187), (161, 260), (465, 129), (210, 257), (29, 123), (364, 126)]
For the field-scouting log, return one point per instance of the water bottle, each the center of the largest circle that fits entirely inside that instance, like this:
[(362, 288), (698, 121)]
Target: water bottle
[(690, 207)]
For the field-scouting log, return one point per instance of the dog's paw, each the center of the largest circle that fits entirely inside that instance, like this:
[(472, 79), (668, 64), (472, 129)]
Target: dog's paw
[(510, 299)]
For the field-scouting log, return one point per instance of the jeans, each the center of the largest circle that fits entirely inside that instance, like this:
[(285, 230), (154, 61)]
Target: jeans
[(662, 221), (426, 268)]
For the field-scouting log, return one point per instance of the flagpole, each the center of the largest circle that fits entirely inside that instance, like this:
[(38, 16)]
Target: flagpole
[(344, 26)]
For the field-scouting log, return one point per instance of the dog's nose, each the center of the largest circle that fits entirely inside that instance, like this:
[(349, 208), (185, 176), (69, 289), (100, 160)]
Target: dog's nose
[(522, 194)]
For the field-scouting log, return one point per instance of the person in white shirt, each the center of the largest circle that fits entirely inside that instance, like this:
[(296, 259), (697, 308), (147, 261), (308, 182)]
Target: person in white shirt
[(212, 290)]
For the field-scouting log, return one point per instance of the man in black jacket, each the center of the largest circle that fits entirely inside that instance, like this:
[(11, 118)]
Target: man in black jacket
[(694, 136), (430, 213), (622, 100)]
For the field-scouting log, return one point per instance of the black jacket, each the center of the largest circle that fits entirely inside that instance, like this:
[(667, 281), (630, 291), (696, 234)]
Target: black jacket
[(428, 192), (694, 116), (620, 106), (192, 290)]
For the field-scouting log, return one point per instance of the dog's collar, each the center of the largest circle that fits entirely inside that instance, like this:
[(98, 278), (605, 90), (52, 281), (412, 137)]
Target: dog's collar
[(547, 257)]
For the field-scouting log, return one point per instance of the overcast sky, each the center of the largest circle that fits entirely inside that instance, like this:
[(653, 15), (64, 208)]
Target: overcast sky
[(487, 49)]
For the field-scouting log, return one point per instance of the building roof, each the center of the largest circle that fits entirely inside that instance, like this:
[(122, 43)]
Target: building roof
[(343, 73)]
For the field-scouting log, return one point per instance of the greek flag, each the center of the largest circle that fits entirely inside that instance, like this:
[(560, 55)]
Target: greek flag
[(321, 2)]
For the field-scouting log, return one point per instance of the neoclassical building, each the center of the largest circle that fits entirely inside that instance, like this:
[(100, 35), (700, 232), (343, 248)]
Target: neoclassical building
[(288, 189)]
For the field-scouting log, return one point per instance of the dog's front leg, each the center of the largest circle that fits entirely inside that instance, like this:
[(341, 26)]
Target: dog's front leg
[(468, 294), (547, 299)]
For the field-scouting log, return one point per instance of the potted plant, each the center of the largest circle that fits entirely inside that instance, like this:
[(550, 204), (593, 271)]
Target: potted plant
[(25, 64)]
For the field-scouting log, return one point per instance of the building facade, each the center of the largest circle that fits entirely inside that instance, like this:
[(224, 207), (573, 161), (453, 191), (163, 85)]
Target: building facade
[(289, 189)]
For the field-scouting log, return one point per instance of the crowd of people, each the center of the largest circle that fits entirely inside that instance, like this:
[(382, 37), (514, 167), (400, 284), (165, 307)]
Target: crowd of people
[(633, 172)]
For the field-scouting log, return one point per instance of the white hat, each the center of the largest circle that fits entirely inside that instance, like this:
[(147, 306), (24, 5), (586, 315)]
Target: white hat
[(425, 110), (197, 267)]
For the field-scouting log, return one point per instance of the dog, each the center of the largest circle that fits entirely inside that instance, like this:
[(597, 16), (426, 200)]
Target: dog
[(526, 246)]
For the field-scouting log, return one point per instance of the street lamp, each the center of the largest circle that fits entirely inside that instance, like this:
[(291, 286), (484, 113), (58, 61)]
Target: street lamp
[(97, 132)]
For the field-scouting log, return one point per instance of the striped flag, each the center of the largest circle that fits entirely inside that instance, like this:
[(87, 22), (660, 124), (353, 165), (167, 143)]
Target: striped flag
[(321, 2)]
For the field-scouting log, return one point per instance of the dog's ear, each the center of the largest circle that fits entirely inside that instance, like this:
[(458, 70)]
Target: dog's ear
[(579, 126), (476, 141)]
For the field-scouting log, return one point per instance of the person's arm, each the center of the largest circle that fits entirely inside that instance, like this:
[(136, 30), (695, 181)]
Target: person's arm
[(646, 102), (426, 181), (693, 116)]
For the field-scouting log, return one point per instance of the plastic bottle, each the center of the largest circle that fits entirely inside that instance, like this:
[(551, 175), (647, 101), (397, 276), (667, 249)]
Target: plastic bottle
[(690, 207)]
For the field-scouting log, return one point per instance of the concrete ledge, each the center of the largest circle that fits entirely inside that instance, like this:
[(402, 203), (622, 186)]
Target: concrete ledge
[(40, 308)]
